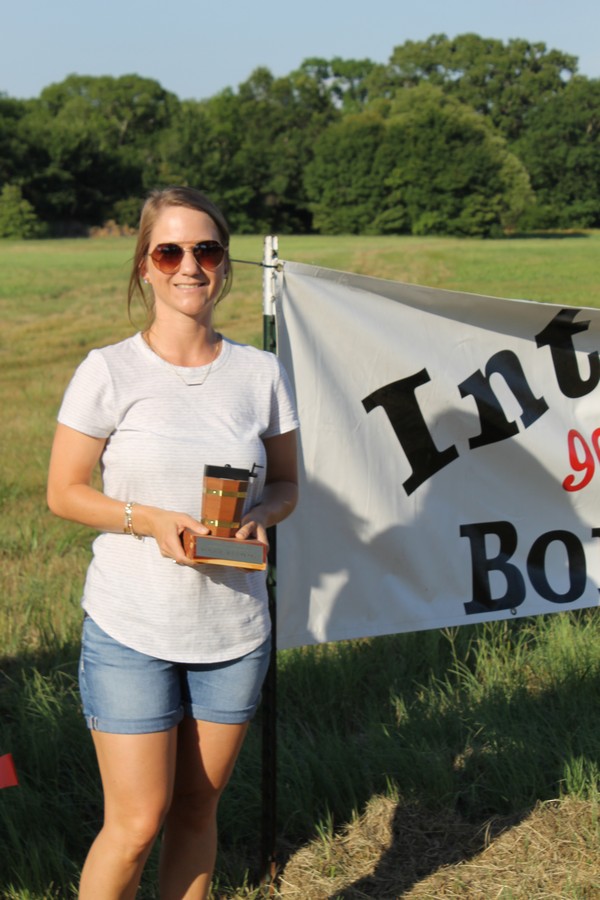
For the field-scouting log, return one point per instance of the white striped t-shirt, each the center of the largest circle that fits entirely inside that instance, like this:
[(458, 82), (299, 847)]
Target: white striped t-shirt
[(163, 424)]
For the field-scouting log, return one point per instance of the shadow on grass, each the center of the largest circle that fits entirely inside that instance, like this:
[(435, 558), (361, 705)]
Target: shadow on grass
[(464, 776), (422, 843), (518, 756)]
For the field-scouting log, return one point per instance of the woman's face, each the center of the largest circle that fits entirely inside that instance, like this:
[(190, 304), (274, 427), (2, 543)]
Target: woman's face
[(191, 291)]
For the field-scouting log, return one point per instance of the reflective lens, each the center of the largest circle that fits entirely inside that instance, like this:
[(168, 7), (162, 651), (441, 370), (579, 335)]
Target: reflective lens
[(168, 257)]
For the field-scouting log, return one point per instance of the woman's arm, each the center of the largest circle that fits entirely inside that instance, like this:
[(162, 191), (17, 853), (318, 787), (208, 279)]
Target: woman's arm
[(280, 493), (71, 495)]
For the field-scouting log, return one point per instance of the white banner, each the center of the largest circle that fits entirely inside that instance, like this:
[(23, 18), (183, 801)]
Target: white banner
[(449, 447)]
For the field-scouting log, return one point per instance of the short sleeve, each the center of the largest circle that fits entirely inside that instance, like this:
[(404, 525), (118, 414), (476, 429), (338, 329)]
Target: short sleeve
[(284, 417), (88, 405)]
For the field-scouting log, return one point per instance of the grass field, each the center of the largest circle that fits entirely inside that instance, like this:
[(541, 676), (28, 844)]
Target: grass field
[(453, 763)]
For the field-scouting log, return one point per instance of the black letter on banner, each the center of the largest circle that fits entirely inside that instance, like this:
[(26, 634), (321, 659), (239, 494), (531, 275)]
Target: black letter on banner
[(401, 407), (494, 424), (482, 566), (558, 336), (536, 566)]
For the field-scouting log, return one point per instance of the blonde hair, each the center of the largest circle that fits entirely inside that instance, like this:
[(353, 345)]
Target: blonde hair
[(155, 203)]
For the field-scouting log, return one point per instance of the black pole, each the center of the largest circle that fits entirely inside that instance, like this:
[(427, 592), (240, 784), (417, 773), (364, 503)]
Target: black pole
[(268, 850)]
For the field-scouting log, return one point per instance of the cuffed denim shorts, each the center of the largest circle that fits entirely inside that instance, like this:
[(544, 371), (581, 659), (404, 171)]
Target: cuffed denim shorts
[(126, 692)]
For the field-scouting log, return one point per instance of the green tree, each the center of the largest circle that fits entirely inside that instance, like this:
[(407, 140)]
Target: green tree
[(200, 149), (94, 144), (11, 150), (502, 81), (345, 181), (17, 215), (432, 166), (281, 119), (431, 141), (561, 149), (248, 149), (343, 80), (452, 173)]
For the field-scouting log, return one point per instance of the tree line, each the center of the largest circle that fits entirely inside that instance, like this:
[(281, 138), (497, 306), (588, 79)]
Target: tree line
[(466, 136)]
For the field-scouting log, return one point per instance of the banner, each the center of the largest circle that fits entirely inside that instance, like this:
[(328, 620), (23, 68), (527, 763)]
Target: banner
[(450, 457)]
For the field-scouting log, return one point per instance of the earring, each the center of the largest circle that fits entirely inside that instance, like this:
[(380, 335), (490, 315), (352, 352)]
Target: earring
[(146, 281)]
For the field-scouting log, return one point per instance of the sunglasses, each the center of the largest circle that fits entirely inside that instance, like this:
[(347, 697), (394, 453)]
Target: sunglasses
[(168, 257)]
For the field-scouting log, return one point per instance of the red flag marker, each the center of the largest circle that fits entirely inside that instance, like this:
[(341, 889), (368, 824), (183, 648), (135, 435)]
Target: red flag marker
[(8, 773)]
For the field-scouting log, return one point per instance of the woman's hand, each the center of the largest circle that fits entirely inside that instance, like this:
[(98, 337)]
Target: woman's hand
[(253, 528), (166, 527), (280, 494)]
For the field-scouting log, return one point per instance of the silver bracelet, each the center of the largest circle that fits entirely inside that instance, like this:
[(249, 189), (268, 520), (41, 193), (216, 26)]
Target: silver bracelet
[(128, 527)]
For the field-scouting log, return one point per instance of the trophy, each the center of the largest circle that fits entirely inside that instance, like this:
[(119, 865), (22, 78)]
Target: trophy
[(224, 492)]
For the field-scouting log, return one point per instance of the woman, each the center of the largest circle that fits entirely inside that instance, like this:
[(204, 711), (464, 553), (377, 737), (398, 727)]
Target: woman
[(173, 656)]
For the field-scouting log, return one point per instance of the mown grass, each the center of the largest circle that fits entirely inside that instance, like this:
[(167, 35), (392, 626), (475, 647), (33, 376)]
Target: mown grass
[(464, 727)]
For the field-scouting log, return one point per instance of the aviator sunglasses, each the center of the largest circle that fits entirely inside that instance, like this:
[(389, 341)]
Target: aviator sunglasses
[(168, 257)]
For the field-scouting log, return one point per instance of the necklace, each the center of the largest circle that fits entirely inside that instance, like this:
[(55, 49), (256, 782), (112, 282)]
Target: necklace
[(192, 380)]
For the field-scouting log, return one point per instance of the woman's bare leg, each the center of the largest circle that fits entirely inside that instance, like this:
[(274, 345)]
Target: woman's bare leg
[(206, 755), (137, 772)]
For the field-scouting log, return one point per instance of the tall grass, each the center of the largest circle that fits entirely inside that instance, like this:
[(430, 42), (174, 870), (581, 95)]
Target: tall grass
[(482, 720)]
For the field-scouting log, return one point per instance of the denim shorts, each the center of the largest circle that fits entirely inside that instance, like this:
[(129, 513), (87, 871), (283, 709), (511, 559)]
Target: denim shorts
[(126, 692)]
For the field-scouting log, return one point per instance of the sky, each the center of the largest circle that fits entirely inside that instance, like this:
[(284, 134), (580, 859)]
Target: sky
[(196, 49)]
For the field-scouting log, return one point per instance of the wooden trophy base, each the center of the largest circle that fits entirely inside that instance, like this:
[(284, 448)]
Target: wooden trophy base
[(222, 551)]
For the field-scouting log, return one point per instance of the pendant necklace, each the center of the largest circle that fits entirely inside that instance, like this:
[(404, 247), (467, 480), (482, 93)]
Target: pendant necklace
[(193, 381)]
